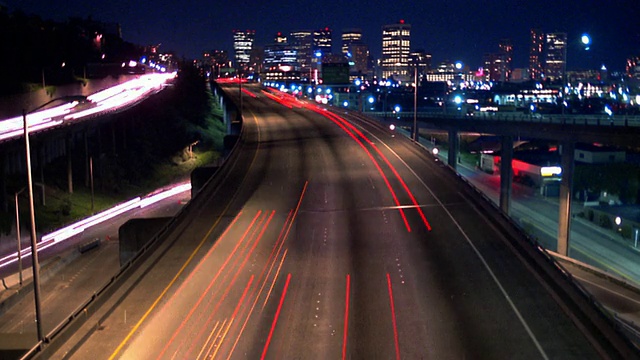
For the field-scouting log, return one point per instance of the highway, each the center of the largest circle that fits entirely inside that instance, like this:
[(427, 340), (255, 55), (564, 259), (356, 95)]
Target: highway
[(333, 238)]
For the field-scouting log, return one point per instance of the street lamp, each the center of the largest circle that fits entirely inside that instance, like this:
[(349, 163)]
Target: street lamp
[(34, 251), (415, 103)]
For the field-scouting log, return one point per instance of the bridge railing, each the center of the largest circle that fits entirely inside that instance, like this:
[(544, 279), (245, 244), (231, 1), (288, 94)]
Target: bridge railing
[(591, 120)]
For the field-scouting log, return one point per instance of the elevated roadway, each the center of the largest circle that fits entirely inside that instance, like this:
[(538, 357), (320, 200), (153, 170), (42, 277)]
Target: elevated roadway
[(331, 237)]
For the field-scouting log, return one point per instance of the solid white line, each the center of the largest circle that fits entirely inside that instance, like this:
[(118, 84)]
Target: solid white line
[(484, 262)]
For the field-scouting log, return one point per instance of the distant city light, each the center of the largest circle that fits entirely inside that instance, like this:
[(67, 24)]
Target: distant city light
[(397, 108), (372, 100), (459, 65), (345, 103)]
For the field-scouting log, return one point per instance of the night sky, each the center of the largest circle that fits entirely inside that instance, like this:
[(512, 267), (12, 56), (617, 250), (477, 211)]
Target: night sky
[(454, 30)]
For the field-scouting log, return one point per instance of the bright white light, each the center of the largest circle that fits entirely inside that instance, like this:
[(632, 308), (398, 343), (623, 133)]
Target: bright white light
[(357, 82), (345, 103), (458, 65), (618, 220), (550, 170), (608, 110), (133, 63), (457, 99), (586, 40), (397, 108), (392, 127), (371, 99), (435, 151)]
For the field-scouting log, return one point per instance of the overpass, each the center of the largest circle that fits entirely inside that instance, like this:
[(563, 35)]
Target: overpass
[(324, 235), (70, 123), (567, 130)]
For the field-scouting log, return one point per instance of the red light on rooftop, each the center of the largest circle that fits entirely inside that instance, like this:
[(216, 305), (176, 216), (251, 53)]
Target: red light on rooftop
[(326, 29), (401, 21)]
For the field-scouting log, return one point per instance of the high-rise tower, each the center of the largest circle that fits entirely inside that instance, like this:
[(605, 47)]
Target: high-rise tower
[(242, 46), (555, 57), (535, 54), (396, 43)]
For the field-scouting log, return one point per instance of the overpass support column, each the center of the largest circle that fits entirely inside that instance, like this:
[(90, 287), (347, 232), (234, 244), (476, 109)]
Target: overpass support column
[(506, 173), (67, 150), (454, 143), (566, 190)]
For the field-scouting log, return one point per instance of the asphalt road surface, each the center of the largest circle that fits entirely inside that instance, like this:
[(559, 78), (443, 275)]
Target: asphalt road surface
[(331, 239)]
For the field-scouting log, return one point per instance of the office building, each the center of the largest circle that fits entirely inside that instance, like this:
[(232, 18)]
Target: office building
[(242, 46), (506, 59), (420, 59), (396, 43), (555, 56), (350, 36), (302, 42), (322, 41), (536, 47), (359, 60)]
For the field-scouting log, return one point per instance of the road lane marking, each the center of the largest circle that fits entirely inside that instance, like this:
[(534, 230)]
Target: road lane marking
[(393, 318), (215, 278), (346, 319), (195, 251), (478, 254), (391, 167), (208, 339), (331, 116), (275, 318), (274, 279), (599, 261), (213, 356), (228, 288)]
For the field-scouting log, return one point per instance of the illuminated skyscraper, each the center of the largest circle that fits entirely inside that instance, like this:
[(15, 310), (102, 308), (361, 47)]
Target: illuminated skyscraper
[(535, 54), (555, 57), (396, 43), (322, 40), (506, 57), (302, 42), (242, 46), (350, 36)]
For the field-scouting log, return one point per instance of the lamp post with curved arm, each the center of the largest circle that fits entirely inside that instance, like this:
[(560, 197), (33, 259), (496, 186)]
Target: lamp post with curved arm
[(34, 251)]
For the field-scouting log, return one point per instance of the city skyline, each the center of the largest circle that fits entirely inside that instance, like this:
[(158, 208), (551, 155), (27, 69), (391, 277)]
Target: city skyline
[(465, 32)]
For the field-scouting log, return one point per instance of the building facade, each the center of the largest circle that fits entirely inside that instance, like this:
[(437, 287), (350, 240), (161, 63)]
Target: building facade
[(396, 44), (302, 42), (350, 36), (555, 56), (536, 46), (242, 46)]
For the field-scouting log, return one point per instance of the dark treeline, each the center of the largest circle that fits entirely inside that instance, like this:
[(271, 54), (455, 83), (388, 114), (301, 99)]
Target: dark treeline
[(162, 127), (34, 49)]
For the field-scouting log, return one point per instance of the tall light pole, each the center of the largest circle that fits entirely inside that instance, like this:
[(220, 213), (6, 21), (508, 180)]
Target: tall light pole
[(32, 218), (34, 251), (415, 103)]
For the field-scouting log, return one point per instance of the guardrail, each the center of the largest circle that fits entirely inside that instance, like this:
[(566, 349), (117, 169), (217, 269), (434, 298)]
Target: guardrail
[(592, 120), (65, 329)]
